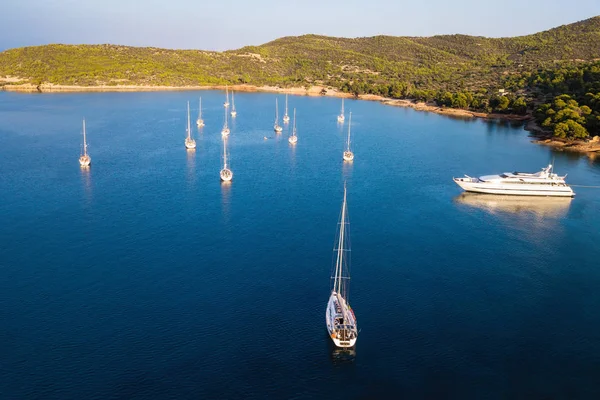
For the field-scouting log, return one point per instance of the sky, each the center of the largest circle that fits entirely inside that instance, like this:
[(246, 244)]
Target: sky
[(230, 24)]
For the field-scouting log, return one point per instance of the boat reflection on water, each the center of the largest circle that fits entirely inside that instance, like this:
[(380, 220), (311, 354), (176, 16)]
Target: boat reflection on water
[(341, 355), (539, 206)]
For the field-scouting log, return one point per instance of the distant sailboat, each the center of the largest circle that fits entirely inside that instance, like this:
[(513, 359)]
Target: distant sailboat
[(233, 112), (349, 155), (293, 139), (286, 117), (200, 121), (276, 127), (339, 317), (85, 160), (226, 174), (226, 104), (341, 117), (225, 131), (189, 142)]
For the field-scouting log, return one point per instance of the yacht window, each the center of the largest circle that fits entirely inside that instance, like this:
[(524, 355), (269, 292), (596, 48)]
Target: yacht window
[(503, 176)]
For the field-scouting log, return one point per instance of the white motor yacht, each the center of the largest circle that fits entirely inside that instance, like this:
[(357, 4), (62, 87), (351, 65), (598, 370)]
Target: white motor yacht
[(543, 183)]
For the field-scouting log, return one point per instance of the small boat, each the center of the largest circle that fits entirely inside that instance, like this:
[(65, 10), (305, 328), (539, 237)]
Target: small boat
[(225, 131), (226, 104), (542, 183), (348, 154), (276, 127), (286, 117), (293, 139), (85, 160), (200, 121), (339, 317), (233, 112), (225, 174), (341, 117), (189, 142)]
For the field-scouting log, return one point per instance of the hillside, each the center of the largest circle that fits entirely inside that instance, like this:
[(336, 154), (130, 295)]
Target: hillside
[(451, 62)]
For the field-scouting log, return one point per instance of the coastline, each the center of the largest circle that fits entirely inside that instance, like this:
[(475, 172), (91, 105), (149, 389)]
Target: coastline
[(591, 147)]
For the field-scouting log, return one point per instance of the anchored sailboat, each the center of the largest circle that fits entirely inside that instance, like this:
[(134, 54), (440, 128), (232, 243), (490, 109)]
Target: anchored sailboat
[(233, 112), (293, 139), (85, 160), (226, 174), (286, 117), (339, 317), (276, 127), (225, 131), (341, 117), (226, 104), (200, 121), (189, 142), (348, 155)]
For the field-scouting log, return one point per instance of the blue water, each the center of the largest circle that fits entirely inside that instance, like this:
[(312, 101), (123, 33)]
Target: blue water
[(145, 277)]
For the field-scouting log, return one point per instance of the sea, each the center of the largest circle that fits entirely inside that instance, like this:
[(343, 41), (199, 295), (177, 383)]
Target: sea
[(145, 277)]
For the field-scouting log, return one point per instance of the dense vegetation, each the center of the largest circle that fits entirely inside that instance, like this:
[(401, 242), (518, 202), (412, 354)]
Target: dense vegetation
[(451, 70)]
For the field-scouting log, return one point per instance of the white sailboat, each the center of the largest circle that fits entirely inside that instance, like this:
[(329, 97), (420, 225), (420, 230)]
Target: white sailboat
[(200, 121), (226, 174), (189, 142), (85, 160), (339, 317), (276, 127), (341, 117), (226, 104), (348, 155), (233, 112), (225, 131), (293, 139), (286, 117)]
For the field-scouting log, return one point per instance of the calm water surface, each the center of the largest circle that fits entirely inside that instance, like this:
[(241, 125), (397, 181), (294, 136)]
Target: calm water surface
[(145, 277)]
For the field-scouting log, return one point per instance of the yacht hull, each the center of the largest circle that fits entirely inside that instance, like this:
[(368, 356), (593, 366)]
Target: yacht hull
[(340, 337), (477, 186)]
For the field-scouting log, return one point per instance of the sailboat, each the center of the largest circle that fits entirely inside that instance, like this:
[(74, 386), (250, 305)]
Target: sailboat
[(293, 139), (189, 142), (200, 121), (225, 131), (226, 104), (349, 155), (339, 317), (226, 174), (233, 112), (276, 126), (286, 117), (341, 117), (85, 160)]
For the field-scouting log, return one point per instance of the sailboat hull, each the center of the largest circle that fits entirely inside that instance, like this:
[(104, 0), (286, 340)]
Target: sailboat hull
[(85, 161), (190, 144), (342, 335), (226, 175)]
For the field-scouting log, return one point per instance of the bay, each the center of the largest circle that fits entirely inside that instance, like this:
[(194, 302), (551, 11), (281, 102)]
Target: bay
[(145, 277)]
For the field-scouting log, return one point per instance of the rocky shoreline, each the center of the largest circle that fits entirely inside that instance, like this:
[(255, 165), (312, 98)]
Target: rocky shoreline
[(591, 147)]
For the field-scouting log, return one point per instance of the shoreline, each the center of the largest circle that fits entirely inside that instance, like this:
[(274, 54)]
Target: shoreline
[(591, 147)]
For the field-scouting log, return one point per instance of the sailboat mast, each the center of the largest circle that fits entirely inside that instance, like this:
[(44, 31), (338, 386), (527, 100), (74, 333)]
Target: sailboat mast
[(225, 153), (340, 255), (84, 141), (349, 124), (225, 127), (286, 107), (276, 111), (342, 106), (200, 109), (294, 129), (189, 131)]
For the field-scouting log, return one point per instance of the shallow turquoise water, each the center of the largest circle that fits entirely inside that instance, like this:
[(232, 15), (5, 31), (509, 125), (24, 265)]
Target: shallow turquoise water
[(146, 278)]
